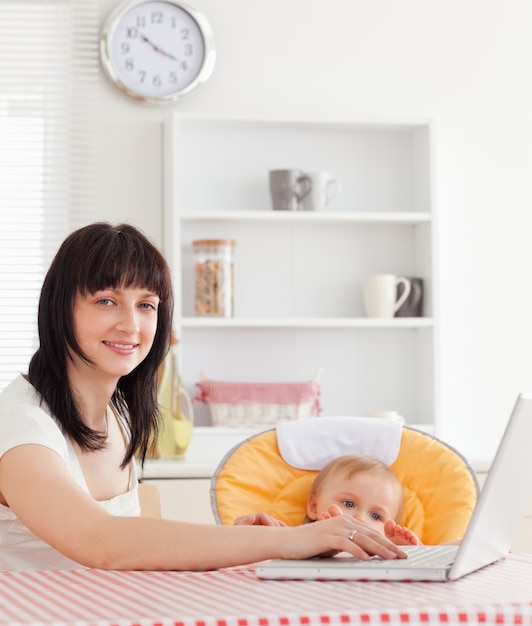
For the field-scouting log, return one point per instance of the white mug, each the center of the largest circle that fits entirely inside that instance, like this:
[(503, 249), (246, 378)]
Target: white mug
[(380, 294), (325, 188)]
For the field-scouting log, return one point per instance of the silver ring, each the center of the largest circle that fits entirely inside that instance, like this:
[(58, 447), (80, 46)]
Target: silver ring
[(351, 534)]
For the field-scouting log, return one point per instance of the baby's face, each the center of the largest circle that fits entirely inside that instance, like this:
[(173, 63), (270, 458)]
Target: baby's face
[(368, 498)]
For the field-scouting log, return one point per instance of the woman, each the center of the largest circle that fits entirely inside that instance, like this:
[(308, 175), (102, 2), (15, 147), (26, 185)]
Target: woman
[(70, 428)]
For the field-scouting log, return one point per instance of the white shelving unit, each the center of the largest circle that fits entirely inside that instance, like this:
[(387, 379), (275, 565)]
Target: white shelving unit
[(299, 275)]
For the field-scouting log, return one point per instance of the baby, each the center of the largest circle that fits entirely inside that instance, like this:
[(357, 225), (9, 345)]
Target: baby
[(364, 488)]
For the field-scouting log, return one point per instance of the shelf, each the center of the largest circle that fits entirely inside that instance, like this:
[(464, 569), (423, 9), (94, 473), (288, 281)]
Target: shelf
[(330, 323), (369, 125), (298, 217), (299, 275)]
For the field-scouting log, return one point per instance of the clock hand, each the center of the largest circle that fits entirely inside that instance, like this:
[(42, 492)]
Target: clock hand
[(157, 49)]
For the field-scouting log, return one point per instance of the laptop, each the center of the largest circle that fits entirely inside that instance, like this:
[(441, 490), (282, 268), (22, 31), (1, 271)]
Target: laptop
[(489, 536)]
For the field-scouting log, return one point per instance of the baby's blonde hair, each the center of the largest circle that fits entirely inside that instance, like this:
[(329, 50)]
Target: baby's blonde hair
[(352, 464)]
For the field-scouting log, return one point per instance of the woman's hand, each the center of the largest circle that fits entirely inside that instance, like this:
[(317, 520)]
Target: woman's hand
[(332, 533), (338, 533)]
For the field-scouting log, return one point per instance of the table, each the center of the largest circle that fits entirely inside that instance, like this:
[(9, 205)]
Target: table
[(498, 594)]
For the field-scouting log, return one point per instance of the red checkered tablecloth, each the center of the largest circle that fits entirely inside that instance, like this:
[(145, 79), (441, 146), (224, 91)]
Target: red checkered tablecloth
[(498, 594)]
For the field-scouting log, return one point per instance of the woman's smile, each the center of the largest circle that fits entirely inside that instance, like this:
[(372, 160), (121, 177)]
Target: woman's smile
[(122, 346)]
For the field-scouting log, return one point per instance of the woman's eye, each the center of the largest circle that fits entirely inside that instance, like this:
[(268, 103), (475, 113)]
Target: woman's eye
[(149, 306), (105, 301), (349, 504)]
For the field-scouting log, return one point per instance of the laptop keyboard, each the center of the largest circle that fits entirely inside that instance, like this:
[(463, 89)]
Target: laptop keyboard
[(419, 557)]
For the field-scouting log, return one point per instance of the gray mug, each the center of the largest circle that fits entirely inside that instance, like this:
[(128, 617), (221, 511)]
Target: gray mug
[(413, 305), (288, 188)]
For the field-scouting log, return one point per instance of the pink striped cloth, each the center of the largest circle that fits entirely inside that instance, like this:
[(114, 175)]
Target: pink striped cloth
[(496, 595), (221, 392)]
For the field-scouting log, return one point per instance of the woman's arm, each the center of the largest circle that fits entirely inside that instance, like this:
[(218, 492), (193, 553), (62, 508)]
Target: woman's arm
[(37, 486)]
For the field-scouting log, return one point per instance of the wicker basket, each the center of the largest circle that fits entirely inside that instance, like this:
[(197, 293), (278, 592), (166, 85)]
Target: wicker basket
[(258, 404)]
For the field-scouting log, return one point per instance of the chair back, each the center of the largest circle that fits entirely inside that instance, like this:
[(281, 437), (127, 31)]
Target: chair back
[(440, 487)]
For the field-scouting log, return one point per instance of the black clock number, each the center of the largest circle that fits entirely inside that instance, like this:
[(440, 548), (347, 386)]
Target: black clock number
[(157, 17)]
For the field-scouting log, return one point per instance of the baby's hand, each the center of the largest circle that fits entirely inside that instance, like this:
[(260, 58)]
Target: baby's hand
[(257, 519), (333, 511), (399, 535)]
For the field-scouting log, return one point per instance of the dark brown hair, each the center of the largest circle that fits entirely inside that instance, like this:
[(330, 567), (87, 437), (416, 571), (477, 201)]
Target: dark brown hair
[(96, 257)]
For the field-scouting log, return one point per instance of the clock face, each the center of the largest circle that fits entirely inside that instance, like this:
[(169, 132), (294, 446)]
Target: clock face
[(157, 51)]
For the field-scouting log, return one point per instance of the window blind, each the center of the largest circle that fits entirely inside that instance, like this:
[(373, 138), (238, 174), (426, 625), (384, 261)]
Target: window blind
[(48, 82)]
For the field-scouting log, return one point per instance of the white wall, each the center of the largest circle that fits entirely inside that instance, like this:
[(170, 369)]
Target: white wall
[(467, 64)]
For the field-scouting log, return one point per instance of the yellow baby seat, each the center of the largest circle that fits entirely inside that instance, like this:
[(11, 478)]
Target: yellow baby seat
[(273, 471)]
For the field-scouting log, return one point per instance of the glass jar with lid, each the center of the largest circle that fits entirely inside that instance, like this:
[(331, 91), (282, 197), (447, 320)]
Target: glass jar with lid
[(213, 277)]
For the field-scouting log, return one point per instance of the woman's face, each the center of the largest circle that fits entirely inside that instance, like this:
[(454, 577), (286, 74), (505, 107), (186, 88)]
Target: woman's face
[(115, 329)]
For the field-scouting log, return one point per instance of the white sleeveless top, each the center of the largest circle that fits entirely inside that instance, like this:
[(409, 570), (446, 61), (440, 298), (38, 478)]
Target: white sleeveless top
[(24, 421)]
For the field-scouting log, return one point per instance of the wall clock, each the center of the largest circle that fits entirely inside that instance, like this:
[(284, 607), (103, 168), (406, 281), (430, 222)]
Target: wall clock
[(157, 51)]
